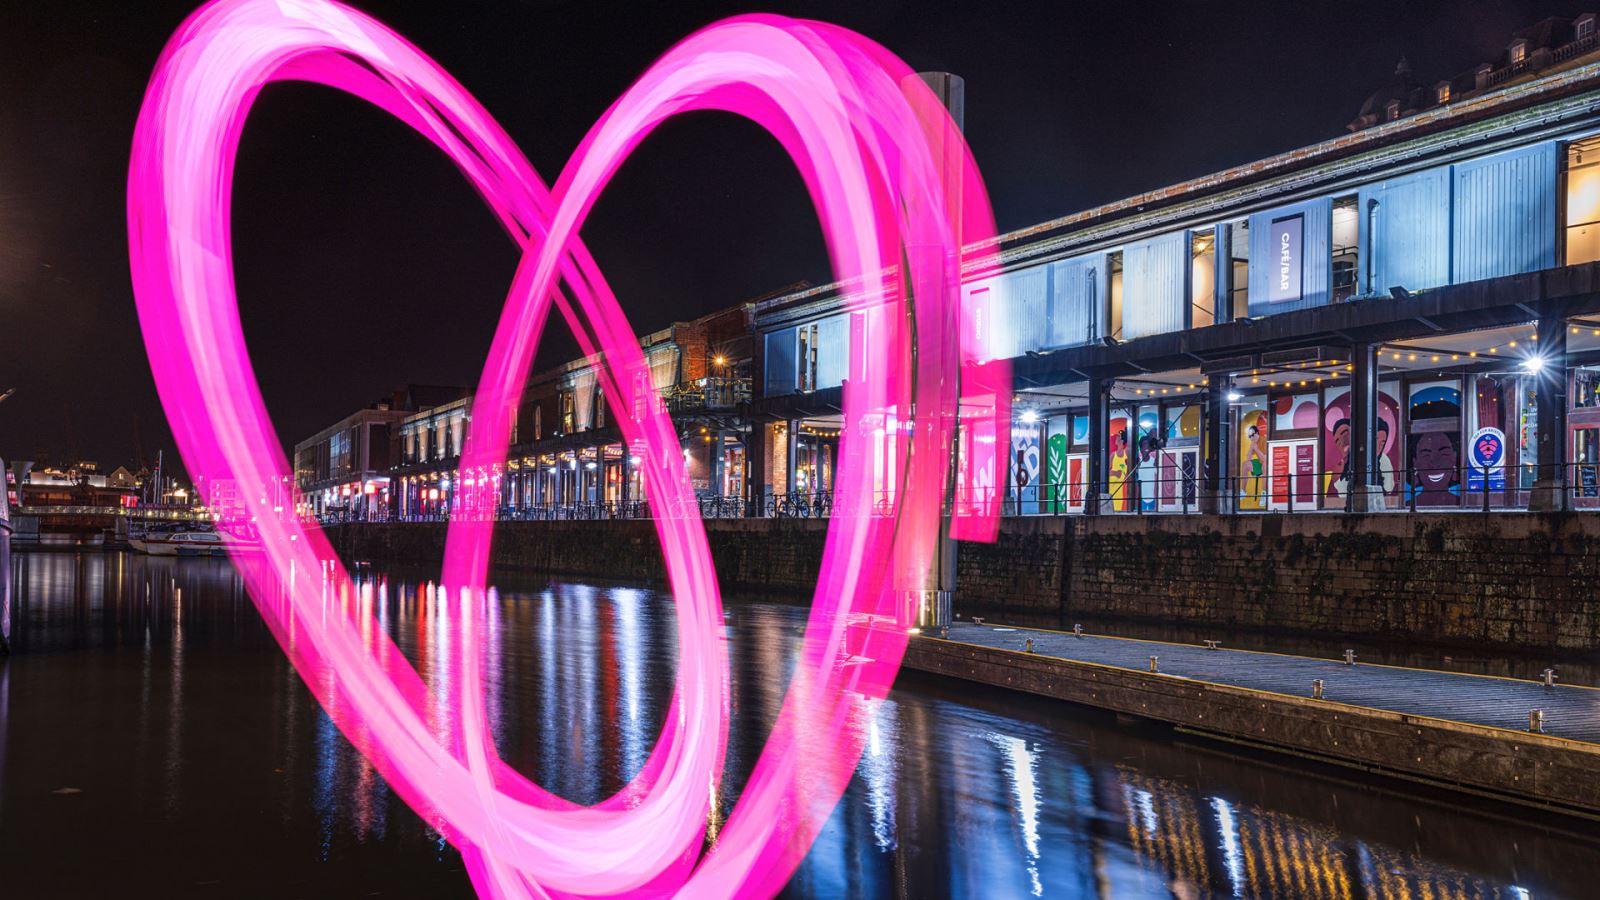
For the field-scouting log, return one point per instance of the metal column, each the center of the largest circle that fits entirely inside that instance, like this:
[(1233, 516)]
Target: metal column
[(1215, 448), (756, 476), (928, 590), (1550, 484), (792, 458), (1093, 497), (718, 442), (1365, 488)]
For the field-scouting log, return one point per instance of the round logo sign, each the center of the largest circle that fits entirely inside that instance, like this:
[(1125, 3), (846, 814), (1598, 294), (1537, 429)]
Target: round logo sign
[(1488, 448)]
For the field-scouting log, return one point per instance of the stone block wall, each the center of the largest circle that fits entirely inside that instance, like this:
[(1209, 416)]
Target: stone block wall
[(1512, 580), (1525, 581)]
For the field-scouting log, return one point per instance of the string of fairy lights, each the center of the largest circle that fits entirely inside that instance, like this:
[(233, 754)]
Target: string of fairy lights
[(1311, 373)]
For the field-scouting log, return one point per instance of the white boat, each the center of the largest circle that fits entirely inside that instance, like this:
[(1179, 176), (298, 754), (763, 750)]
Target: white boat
[(191, 543)]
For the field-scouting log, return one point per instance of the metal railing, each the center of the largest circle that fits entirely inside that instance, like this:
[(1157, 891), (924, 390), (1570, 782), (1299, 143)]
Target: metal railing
[(1315, 490)]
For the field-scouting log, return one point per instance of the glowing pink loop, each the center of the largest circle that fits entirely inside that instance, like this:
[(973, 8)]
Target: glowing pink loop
[(874, 149)]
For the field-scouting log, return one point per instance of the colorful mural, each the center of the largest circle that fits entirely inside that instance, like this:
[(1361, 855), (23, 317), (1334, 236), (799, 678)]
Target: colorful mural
[(1388, 449), (1336, 439), (1147, 456), (1117, 443), (1253, 455), (1055, 467), (1434, 475), (1337, 436), (1025, 467), (1433, 449)]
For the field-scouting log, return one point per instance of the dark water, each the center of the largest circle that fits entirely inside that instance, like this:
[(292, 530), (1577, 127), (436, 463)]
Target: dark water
[(155, 742)]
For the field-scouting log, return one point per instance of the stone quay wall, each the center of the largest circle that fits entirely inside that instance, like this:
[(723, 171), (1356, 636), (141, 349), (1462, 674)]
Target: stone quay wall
[(1517, 581)]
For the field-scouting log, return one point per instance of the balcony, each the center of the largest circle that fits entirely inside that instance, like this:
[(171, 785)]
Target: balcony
[(711, 394)]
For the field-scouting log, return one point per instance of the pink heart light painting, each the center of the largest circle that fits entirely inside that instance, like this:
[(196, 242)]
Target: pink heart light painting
[(898, 196)]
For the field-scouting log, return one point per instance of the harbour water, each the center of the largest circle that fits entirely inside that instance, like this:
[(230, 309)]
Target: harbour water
[(154, 740)]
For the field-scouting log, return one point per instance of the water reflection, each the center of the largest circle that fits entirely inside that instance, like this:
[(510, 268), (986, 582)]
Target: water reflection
[(201, 763)]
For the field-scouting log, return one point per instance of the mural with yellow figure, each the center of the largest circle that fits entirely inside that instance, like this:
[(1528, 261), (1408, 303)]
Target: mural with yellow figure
[(1117, 444), (1252, 457)]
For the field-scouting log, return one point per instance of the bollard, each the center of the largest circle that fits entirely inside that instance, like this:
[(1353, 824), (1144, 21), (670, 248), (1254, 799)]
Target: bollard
[(1536, 721), (1316, 689), (1153, 664), (944, 632), (977, 620), (1212, 645), (1550, 679), (1349, 657), (1028, 647), (1077, 630)]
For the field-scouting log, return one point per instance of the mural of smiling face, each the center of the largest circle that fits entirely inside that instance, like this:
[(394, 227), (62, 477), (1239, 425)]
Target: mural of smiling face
[(1433, 465)]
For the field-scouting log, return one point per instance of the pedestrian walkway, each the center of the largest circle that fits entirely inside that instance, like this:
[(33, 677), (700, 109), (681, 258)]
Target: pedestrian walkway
[(1516, 740), (1569, 712)]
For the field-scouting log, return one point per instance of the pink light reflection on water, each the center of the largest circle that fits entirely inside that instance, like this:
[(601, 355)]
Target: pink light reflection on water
[(883, 164)]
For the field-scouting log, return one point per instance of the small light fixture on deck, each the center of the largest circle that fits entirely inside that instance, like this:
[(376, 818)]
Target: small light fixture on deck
[(1153, 667), (1077, 631), (1028, 647), (1536, 721), (1316, 689)]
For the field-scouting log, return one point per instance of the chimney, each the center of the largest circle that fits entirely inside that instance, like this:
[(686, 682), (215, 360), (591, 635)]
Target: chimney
[(951, 91)]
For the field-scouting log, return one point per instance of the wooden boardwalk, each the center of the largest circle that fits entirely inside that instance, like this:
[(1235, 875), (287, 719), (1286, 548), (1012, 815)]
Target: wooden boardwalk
[(1460, 730)]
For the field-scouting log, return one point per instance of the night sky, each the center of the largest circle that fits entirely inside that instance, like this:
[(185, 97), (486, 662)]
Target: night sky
[(365, 261)]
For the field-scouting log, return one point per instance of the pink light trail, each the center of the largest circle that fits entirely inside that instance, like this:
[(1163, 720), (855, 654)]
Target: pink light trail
[(897, 193)]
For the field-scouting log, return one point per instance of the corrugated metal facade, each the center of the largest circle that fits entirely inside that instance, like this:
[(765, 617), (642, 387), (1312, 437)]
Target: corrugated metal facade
[(833, 351), (1075, 297), (779, 363), (1316, 249), (1023, 312), (1505, 213), (1488, 217), (1155, 285), (1405, 232), (1015, 311)]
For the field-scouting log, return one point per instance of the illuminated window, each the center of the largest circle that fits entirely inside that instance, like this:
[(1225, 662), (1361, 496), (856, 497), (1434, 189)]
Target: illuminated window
[(1114, 265), (807, 358), (1346, 246), (1583, 202), (1239, 263), (1203, 277), (1518, 52), (1442, 92)]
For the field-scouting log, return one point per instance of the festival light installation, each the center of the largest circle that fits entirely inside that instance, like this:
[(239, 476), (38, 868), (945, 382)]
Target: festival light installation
[(896, 192)]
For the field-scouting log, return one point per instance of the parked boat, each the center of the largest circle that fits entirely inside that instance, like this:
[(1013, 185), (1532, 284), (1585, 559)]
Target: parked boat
[(190, 543)]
